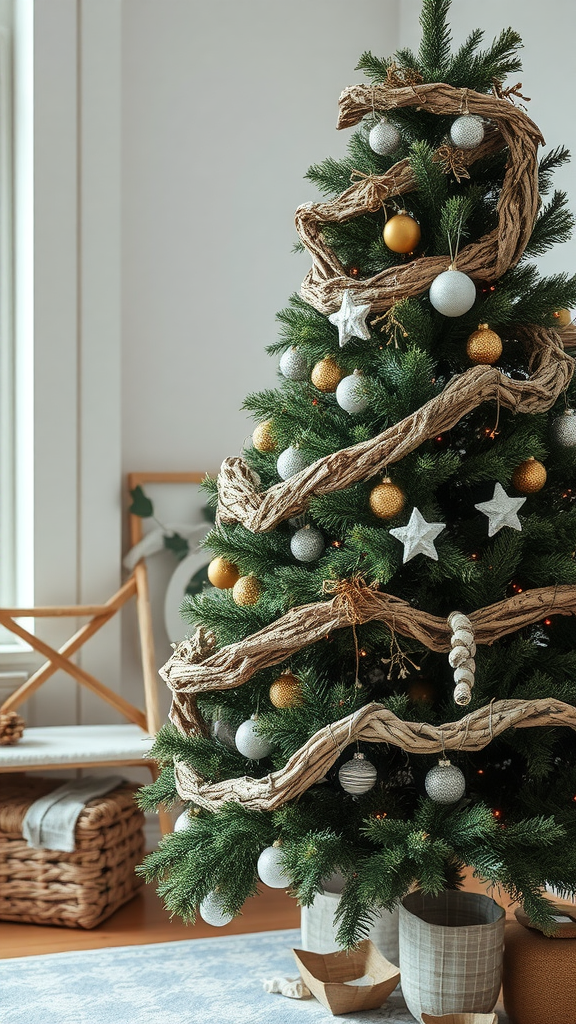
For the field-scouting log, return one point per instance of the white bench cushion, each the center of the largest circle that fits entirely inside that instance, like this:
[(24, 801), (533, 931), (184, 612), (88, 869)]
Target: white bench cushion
[(76, 744)]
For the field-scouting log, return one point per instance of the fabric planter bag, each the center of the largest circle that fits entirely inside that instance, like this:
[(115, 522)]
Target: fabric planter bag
[(451, 951), (319, 931)]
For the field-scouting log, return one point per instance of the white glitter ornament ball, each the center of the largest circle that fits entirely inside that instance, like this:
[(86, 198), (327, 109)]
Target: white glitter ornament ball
[(290, 462), (384, 137), (563, 429), (349, 394), (293, 365), (445, 783), (452, 293), (271, 870), (211, 911), (249, 742), (307, 544), (358, 775), (182, 822), (467, 131)]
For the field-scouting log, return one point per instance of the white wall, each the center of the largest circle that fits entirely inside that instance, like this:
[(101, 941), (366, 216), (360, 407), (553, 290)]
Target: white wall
[(225, 105), (548, 75)]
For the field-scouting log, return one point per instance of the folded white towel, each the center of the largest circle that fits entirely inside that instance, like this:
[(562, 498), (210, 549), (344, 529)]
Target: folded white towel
[(50, 822)]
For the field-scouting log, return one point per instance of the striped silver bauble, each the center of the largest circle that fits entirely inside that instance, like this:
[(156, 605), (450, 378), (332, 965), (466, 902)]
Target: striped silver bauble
[(358, 775), (445, 783)]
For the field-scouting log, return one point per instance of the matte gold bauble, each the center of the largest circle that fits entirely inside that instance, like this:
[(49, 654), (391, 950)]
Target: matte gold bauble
[(262, 438), (563, 317), (246, 590), (286, 691), (327, 375), (484, 346), (222, 573), (386, 500), (401, 233), (529, 476)]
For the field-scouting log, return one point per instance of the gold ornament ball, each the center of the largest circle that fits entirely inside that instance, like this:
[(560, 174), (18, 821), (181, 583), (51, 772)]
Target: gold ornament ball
[(222, 573), (563, 318), (401, 233), (246, 591), (529, 476), (327, 375), (262, 438), (484, 346), (286, 691), (386, 500)]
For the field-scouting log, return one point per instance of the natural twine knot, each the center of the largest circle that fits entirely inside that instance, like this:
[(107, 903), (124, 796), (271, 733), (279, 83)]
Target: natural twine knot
[(374, 190), (452, 161), (399, 78), (350, 596)]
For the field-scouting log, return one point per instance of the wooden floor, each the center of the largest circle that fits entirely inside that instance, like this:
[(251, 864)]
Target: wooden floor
[(144, 920)]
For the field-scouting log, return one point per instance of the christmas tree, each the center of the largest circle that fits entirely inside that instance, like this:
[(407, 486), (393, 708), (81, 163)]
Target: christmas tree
[(382, 681)]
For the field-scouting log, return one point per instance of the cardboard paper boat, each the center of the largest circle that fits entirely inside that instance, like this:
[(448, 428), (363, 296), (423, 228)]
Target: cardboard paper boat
[(460, 1018), (333, 978)]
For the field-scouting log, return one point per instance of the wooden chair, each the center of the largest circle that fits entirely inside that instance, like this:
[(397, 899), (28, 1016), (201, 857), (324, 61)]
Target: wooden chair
[(84, 746)]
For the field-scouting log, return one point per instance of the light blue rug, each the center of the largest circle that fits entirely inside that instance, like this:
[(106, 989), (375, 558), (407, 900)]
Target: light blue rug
[(195, 981)]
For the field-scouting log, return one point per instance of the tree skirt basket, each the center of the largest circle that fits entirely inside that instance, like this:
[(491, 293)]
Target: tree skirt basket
[(76, 890), (319, 929), (451, 950)]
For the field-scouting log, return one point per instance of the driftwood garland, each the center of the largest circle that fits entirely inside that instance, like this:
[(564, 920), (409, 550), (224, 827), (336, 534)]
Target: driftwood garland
[(487, 258), (240, 501), (301, 627), (371, 724)]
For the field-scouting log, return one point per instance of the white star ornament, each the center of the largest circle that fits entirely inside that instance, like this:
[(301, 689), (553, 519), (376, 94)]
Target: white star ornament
[(501, 511), (418, 536), (350, 320)]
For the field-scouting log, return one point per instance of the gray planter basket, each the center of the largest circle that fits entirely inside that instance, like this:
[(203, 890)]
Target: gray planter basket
[(319, 930), (451, 949)]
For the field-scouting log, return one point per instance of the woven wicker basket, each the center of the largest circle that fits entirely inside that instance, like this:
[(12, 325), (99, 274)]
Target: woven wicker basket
[(80, 889)]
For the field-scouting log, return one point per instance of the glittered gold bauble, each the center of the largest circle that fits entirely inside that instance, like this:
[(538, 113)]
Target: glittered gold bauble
[(563, 317), (246, 590), (386, 500), (529, 476), (484, 346), (262, 438), (286, 691), (401, 233), (222, 573), (327, 375)]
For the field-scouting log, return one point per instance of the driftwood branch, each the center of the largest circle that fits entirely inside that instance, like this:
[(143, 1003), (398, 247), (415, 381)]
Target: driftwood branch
[(371, 724), (486, 259), (240, 501)]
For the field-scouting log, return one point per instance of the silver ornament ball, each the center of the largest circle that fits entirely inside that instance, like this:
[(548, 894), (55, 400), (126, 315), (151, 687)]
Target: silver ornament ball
[(224, 733), (211, 911), (349, 394), (249, 742), (271, 869), (563, 429), (445, 783), (467, 131), (358, 775), (384, 137), (452, 293), (293, 365), (182, 822), (307, 544), (290, 462)]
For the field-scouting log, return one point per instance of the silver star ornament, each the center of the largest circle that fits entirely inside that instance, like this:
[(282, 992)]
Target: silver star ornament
[(418, 536), (350, 320), (501, 510)]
